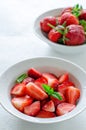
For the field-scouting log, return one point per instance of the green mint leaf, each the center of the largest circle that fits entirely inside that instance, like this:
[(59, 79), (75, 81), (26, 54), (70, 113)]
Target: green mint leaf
[(50, 91), (21, 78)]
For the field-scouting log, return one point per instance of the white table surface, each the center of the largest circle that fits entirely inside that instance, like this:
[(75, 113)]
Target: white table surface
[(18, 42)]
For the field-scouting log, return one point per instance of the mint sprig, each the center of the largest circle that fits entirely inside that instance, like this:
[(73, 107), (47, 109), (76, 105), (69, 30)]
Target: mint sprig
[(50, 91), (21, 78)]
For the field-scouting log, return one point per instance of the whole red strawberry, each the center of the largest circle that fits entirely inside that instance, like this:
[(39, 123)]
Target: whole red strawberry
[(44, 23), (75, 35), (68, 18), (54, 35)]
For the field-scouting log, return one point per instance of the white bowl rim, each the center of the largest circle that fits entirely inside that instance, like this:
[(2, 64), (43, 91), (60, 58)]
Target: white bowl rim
[(46, 39), (48, 120)]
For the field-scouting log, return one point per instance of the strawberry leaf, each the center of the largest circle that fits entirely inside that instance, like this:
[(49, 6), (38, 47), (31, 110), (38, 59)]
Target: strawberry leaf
[(50, 91), (77, 10)]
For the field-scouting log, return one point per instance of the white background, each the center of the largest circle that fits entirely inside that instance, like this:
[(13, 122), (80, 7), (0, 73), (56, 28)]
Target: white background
[(18, 42)]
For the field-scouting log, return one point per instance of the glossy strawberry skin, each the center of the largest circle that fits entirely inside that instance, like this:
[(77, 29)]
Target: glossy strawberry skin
[(75, 35), (83, 15), (33, 109), (54, 35), (33, 73), (72, 95), (68, 9), (35, 92), (51, 79), (20, 102), (44, 23), (27, 80), (64, 108), (40, 81), (69, 19), (49, 106), (62, 87), (46, 114), (18, 90), (64, 78)]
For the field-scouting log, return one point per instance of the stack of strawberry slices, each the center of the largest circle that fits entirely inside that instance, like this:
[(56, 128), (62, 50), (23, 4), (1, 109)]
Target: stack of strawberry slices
[(44, 95), (68, 28)]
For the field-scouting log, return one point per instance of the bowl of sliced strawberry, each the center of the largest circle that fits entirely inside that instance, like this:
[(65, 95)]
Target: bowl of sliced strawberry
[(64, 29), (43, 90)]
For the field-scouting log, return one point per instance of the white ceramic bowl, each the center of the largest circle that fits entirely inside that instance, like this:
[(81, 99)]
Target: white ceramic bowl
[(57, 47), (53, 65)]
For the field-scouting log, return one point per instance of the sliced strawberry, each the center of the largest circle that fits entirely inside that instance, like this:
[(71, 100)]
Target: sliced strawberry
[(64, 108), (63, 78), (33, 109), (27, 80), (18, 90), (62, 87), (35, 92), (33, 73), (49, 106), (40, 81), (72, 95), (20, 102), (56, 101), (46, 114), (51, 79)]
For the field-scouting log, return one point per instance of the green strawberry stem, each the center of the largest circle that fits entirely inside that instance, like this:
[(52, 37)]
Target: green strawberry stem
[(76, 10)]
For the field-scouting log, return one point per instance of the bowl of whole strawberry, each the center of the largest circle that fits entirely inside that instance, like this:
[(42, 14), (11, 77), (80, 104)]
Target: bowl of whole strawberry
[(43, 90), (64, 29)]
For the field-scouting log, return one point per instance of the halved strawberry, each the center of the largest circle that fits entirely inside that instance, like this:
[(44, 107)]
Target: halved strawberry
[(63, 78), (62, 87), (72, 94), (33, 109), (34, 73), (35, 92), (20, 102), (49, 106), (18, 90), (56, 101), (40, 81), (46, 114), (64, 108), (51, 79), (27, 80)]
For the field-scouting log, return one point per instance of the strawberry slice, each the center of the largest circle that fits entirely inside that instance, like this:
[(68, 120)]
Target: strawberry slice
[(49, 106), (33, 109), (18, 90), (72, 95), (63, 78), (62, 87), (46, 114), (64, 108), (27, 80), (20, 102), (35, 92), (40, 81), (56, 101), (51, 79), (34, 73)]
